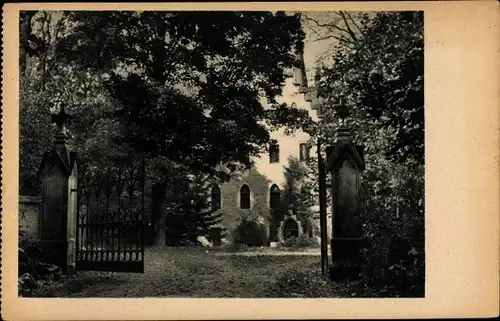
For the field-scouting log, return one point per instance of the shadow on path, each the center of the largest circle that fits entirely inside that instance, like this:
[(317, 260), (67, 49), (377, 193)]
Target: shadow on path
[(191, 272)]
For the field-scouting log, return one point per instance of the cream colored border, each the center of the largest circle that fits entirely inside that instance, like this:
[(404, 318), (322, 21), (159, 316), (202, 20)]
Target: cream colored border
[(462, 180)]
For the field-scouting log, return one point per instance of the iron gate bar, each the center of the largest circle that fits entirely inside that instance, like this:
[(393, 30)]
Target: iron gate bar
[(116, 233)]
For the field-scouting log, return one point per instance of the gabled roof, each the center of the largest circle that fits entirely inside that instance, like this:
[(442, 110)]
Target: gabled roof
[(343, 149), (66, 160)]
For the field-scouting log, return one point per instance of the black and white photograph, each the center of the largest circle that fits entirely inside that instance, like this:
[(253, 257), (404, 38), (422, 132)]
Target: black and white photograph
[(221, 154)]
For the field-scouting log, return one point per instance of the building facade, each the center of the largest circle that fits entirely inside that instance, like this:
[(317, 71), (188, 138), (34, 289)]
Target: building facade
[(256, 192)]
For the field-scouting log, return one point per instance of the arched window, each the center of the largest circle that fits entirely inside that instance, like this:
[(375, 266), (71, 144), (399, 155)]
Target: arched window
[(245, 197), (215, 199), (274, 198)]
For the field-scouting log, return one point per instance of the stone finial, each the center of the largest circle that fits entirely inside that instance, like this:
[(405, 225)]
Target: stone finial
[(342, 110), (343, 134), (60, 146), (60, 120)]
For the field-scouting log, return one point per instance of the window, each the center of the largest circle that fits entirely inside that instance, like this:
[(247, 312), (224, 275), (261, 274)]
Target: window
[(245, 197), (215, 198), (274, 198), (274, 153), (304, 152)]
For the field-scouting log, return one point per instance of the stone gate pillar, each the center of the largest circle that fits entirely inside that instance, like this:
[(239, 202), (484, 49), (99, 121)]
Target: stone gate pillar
[(59, 175), (345, 162)]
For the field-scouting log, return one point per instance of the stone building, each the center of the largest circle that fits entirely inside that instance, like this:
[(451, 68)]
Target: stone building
[(255, 192)]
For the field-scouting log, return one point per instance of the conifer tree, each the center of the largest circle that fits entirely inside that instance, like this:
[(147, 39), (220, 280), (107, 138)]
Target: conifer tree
[(298, 193), (190, 214)]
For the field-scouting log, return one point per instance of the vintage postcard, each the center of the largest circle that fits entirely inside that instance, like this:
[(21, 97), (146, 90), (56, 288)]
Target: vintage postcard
[(250, 160)]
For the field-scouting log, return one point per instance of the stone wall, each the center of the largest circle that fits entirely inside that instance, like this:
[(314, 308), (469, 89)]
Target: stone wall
[(259, 200), (260, 210), (29, 216)]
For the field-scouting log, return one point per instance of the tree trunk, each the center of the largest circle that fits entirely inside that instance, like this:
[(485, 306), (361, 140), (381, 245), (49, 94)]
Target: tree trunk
[(25, 26), (159, 195)]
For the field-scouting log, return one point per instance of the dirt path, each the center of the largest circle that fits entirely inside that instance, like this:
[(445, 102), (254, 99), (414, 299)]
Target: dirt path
[(193, 273), (266, 252)]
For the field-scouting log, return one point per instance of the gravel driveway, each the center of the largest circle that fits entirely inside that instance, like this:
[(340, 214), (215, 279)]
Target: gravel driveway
[(193, 272)]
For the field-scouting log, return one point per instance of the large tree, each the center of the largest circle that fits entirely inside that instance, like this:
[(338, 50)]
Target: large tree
[(375, 83), (331, 28), (45, 82), (379, 78), (298, 192), (187, 86)]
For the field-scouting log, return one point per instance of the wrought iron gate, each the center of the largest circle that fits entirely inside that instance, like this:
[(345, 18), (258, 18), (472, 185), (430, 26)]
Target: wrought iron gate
[(110, 227)]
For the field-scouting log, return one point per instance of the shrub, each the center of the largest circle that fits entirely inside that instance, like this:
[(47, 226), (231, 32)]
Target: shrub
[(302, 241), (397, 269), (251, 233)]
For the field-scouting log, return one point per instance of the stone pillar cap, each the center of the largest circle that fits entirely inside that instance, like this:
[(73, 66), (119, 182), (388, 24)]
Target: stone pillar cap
[(60, 153), (343, 147), (344, 134)]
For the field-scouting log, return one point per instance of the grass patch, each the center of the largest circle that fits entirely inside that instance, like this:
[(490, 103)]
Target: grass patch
[(308, 282), (68, 286)]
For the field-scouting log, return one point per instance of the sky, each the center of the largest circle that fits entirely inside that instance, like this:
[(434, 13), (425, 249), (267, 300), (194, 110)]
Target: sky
[(312, 50)]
